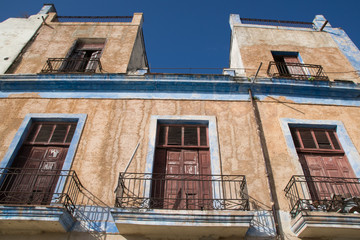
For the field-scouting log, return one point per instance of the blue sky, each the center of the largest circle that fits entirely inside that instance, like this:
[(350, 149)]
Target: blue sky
[(196, 33)]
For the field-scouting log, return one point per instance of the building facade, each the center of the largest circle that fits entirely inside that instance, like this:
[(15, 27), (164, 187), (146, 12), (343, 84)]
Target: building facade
[(95, 146)]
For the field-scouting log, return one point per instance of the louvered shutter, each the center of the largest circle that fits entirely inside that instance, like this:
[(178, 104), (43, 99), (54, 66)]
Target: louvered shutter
[(93, 62)]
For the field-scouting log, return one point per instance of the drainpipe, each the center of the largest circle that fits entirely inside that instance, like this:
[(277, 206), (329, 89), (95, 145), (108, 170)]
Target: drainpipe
[(270, 178)]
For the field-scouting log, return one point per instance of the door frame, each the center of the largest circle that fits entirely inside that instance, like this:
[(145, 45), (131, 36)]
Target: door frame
[(209, 121), (24, 128)]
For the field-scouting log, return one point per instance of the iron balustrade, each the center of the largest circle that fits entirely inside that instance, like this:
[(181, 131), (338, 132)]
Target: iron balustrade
[(317, 193), (277, 23), (23, 187), (72, 65), (296, 71), (93, 18), (193, 192)]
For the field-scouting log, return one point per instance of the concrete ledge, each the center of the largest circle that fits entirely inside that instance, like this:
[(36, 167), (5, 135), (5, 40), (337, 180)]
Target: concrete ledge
[(165, 86), (182, 223), (33, 219), (326, 225)]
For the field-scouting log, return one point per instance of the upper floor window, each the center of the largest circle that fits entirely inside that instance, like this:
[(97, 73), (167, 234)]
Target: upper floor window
[(286, 57), (83, 56), (290, 65)]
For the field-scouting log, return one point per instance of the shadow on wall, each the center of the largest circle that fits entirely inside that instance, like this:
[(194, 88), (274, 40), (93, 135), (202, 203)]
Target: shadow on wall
[(262, 225)]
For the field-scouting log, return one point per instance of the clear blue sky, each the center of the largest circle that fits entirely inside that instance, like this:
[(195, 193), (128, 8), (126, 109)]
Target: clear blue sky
[(196, 33)]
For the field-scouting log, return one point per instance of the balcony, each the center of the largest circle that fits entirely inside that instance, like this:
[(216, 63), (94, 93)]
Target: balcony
[(33, 200), (324, 206), (182, 192), (296, 71), (72, 65), (191, 205)]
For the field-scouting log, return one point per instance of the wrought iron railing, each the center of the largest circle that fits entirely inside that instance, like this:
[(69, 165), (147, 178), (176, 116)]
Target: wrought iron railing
[(93, 18), (316, 193), (72, 65), (296, 71), (278, 23), (20, 186), (180, 192)]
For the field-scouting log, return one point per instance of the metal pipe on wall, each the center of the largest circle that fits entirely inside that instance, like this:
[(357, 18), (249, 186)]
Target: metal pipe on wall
[(268, 169)]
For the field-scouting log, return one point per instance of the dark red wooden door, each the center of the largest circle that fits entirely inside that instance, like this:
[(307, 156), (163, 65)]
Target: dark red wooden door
[(34, 173), (184, 167), (35, 182), (328, 165), (182, 186), (324, 163), (292, 64)]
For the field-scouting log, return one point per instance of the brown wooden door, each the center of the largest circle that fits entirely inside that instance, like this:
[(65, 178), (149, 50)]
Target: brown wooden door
[(329, 165), (181, 175), (326, 167), (35, 182), (182, 186), (293, 65), (33, 176)]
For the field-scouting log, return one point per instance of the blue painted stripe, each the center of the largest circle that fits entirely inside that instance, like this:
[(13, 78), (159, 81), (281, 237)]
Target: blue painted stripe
[(194, 87)]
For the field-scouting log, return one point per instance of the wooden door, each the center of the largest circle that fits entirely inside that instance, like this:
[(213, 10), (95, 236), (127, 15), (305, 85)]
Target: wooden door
[(34, 183), (293, 66), (33, 176), (182, 185), (326, 167), (181, 175), (329, 165)]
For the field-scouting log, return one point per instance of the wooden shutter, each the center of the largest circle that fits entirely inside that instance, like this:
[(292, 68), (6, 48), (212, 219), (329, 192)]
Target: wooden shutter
[(307, 138), (295, 68), (93, 62), (190, 136), (321, 139), (174, 135)]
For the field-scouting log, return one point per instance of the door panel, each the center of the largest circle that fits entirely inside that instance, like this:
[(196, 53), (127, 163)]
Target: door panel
[(329, 165), (191, 162), (158, 182), (293, 69), (191, 169), (181, 187), (174, 162), (205, 188), (173, 186)]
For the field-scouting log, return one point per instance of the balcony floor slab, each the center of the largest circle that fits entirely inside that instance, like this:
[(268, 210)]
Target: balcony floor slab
[(182, 223), (32, 219), (326, 224)]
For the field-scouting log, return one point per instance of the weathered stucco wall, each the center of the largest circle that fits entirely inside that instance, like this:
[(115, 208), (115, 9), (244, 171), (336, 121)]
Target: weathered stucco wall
[(56, 38), (114, 127), (15, 33), (284, 163), (314, 47)]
